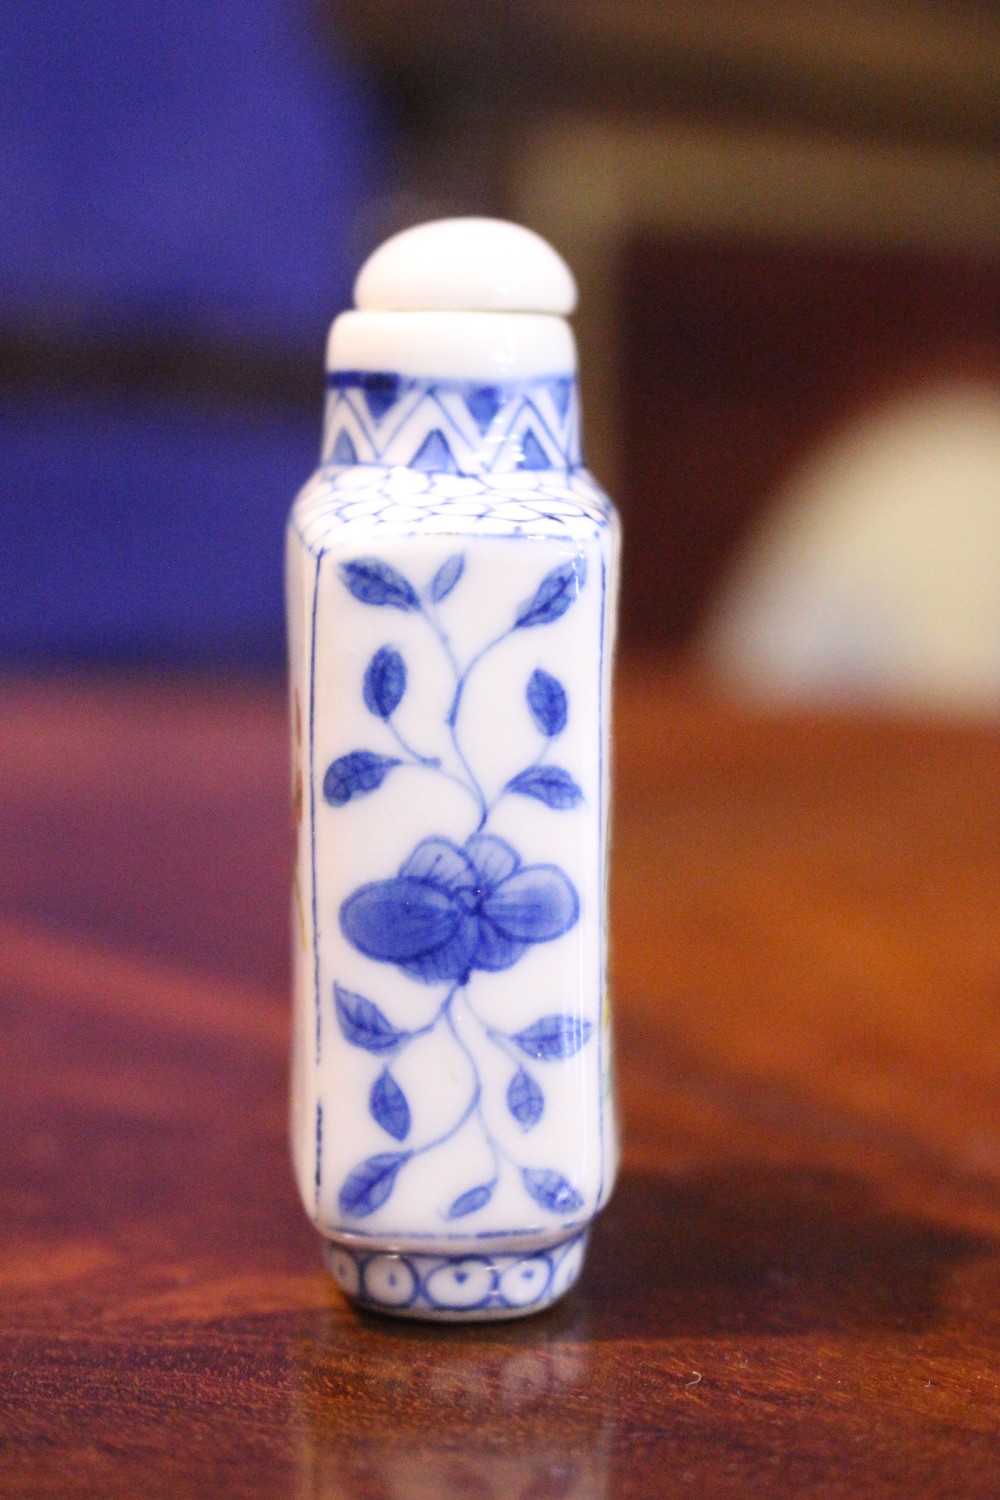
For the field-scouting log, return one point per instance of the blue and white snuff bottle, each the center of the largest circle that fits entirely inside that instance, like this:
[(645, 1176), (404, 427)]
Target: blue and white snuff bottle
[(452, 573)]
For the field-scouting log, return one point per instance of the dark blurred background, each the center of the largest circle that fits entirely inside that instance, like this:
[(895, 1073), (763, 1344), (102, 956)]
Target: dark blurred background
[(783, 217)]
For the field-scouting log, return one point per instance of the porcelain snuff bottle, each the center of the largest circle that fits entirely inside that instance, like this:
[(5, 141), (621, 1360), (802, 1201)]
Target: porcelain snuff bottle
[(452, 573)]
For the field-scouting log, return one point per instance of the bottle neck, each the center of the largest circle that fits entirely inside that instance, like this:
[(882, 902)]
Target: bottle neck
[(451, 426)]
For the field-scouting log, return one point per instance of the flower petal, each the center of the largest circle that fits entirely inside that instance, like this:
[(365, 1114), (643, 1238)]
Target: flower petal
[(443, 864), (493, 858), (451, 960), (533, 905), (495, 950), (398, 921)]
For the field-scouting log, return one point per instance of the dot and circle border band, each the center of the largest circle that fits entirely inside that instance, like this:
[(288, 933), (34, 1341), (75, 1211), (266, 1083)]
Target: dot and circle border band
[(455, 1286)]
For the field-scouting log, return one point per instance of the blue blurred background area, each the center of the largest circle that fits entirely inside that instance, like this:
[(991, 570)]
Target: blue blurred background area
[(786, 234), (181, 185)]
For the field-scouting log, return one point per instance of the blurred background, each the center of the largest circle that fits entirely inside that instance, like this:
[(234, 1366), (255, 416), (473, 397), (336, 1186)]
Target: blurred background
[(784, 221), (784, 217)]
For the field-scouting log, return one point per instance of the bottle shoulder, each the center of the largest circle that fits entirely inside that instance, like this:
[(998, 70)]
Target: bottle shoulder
[(345, 505)]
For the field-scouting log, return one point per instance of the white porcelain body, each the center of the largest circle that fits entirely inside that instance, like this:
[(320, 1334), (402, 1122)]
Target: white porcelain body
[(451, 639)]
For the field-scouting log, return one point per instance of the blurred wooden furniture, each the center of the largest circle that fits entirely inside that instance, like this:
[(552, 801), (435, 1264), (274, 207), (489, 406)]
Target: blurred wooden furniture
[(747, 357), (776, 213), (742, 291), (839, 124), (797, 1287), (464, 84)]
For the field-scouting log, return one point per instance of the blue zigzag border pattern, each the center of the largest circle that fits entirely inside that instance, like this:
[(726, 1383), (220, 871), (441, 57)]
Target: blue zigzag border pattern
[(456, 427)]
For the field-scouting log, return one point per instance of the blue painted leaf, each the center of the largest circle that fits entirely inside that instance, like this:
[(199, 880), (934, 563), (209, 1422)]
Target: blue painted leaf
[(369, 1185), (554, 594), (385, 682), (549, 784), (525, 1099), (468, 1203), (374, 582), (447, 576), (553, 1037), (364, 1025), (355, 775), (551, 1190), (547, 702), (388, 1105)]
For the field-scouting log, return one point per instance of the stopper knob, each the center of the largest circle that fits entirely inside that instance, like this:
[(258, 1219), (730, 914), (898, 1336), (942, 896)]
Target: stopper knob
[(466, 265)]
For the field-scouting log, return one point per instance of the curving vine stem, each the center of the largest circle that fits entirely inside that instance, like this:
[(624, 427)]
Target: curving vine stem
[(451, 910)]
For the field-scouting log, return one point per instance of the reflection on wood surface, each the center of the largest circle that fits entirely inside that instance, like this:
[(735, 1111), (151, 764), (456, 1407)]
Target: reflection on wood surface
[(796, 1285)]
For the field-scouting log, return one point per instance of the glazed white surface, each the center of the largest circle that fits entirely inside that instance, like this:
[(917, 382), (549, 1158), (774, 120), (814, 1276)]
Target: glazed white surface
[(452, 574), (466, 265), (484, 346), (369, 839)]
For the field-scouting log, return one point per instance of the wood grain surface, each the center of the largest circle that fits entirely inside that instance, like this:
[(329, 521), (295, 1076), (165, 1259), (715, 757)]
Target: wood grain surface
[(796, 1290)]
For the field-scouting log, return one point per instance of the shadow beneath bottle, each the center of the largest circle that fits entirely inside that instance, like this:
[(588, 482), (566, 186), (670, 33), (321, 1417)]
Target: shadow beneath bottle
[(750, 1250), (551, 1407)]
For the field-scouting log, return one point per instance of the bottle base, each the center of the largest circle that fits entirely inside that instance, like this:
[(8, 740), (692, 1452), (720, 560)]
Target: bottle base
[(456, 1288)]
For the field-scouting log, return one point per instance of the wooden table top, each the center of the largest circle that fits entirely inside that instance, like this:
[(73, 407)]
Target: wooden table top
[(796, 1290)]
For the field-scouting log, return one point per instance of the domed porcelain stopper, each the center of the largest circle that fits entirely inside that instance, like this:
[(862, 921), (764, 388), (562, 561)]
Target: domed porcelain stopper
[(466, 265), (476, 299)]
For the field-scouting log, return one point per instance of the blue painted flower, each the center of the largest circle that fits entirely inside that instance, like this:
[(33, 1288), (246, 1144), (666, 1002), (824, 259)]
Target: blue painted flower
[(451, 910)]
